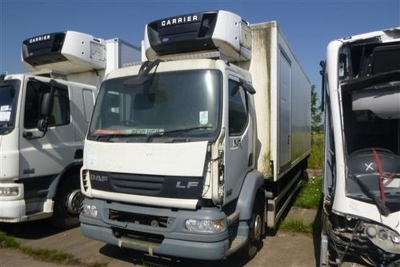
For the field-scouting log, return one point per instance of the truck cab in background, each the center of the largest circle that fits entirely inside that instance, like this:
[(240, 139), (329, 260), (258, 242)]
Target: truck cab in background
[(209, 139), (44, 116), (361, 202)]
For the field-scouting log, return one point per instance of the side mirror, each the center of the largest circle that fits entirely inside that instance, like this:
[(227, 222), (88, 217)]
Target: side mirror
[(247, 87), (42, 125), (143, 74), (46, 106)]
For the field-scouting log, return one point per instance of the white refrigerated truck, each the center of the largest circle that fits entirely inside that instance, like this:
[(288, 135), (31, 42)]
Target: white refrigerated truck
[(361, 202), (44, 116), (191, 153)]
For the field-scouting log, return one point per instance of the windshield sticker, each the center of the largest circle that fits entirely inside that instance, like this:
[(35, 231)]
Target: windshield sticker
[(130, 131), (145, 131), (203, 117), (5, 113)]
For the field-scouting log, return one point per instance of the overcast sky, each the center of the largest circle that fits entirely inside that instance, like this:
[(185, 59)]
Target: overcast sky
[(309, 25)]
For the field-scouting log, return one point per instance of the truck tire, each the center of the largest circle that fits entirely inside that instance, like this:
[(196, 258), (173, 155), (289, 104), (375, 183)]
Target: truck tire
[(256, 225), (67, 203), (327, 257), (304, 176), (324, 246)]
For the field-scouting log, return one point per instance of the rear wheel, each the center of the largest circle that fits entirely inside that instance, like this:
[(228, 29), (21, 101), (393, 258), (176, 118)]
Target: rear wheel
[(67, 203), (304, 176)]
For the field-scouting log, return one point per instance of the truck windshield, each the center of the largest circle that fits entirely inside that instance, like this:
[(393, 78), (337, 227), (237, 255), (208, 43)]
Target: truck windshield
[(8, 105), (168, 107)]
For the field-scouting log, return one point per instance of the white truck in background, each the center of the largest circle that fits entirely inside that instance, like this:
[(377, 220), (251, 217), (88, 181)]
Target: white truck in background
[(193, 152), (44, 116), (361, 202)]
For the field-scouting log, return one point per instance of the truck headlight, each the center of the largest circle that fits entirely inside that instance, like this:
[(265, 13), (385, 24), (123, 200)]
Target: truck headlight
[(90, 210), (205, 226), (382, 234), (9, 191), (395, 238), (371, 231)]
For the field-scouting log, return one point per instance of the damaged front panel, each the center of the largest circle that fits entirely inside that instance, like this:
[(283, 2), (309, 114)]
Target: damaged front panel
[(362, 198)]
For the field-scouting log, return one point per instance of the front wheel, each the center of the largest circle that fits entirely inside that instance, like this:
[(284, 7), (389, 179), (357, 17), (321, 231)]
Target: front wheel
[(68, 204), (328, 254), (256, 225)]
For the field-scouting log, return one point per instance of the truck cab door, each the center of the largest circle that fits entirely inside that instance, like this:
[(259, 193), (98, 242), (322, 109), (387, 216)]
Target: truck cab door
[(238, 156), (43, 155)]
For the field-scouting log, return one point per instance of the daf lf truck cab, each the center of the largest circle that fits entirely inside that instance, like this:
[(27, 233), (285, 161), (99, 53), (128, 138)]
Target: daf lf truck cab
[(209, 139), (44, 117)]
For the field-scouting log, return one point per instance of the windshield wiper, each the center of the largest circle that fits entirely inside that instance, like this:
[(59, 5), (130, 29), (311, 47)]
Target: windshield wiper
[(380, 205), (180, 131), (107, 137)]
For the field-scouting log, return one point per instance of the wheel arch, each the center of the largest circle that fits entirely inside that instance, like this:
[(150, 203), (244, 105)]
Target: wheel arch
[(66, 173), (252, 188)]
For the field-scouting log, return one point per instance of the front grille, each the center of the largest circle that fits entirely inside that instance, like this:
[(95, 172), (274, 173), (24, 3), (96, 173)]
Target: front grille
[(148, 185), (137, 184)]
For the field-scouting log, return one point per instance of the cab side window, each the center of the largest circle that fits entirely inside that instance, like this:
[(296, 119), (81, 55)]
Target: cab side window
[(237, 108), (60, 114)]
